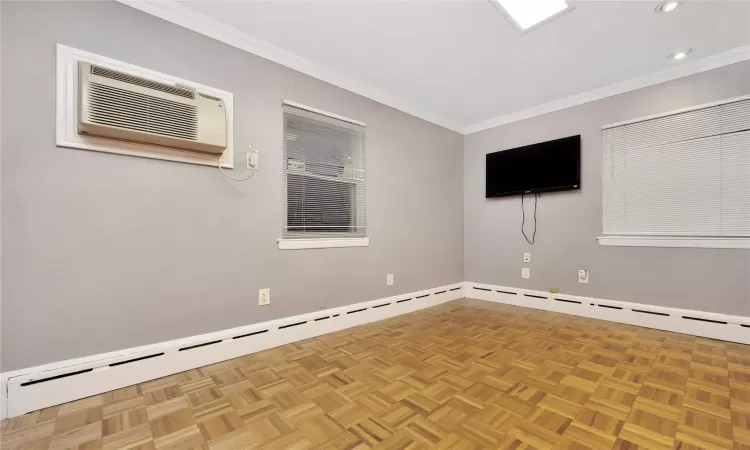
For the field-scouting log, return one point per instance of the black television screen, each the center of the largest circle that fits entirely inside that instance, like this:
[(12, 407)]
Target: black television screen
[(544, 167)]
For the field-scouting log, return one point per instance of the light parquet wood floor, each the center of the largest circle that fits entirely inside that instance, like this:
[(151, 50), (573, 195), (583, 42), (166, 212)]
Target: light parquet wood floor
[(464, 375)]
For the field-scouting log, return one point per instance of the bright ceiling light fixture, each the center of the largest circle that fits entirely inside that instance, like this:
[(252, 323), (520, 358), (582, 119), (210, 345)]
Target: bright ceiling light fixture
[(525, 14), (667, 6), (676, 56)]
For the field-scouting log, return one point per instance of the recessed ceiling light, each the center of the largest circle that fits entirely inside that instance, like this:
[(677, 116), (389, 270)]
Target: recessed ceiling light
[(680, 55), (667, 6), (526, 13)]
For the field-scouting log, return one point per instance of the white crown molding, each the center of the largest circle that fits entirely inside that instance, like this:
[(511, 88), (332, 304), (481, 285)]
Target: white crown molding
[(173, 12), (683, 70)]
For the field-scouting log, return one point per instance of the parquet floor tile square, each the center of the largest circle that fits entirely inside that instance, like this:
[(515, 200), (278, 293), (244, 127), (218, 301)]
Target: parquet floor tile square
[(171, 422), (466, 375)]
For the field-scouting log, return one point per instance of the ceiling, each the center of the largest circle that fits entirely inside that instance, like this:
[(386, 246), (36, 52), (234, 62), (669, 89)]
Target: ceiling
[(462, 63)]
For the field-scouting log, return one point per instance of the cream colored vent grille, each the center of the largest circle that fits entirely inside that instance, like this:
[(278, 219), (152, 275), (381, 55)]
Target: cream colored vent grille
[(124, 107), (125, 78), (112, 106)]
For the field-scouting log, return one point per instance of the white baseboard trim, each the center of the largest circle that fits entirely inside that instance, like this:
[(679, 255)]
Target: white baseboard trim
[(52, 384), (696, 323)]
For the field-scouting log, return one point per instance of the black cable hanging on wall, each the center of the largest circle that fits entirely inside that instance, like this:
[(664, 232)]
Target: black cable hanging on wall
[(523, 219)]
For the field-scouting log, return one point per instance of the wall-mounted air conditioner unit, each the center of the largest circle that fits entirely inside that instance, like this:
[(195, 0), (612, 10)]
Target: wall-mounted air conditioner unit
[(116, 105)]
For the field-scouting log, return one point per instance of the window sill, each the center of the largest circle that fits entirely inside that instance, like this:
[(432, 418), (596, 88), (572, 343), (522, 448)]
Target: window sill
[(300, 244), (684, 242)]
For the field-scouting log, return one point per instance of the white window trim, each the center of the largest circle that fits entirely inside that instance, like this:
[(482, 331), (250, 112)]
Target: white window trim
[(683, 242), (304, 243), (321, 112), (677, 111), (675, 241), (66, 128), (322, 242)]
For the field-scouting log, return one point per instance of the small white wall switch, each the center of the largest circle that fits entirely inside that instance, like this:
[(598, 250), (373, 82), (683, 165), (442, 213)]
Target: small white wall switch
[(525, 272), (252, 160), (583, 276), (389, 279), (527, 257), (264, 297)]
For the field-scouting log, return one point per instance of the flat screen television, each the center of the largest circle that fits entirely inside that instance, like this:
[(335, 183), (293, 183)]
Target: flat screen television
[(544, 167)]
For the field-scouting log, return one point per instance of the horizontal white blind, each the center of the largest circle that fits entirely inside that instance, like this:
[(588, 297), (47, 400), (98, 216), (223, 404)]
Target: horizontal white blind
[(324, 176), (686, 174)]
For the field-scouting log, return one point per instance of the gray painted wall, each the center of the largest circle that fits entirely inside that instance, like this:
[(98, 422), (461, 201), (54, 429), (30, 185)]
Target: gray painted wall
[(569, 222), (102, 252)]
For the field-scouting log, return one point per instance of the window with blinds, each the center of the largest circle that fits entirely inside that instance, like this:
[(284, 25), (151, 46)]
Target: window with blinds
[(324, 176), (680, 175)]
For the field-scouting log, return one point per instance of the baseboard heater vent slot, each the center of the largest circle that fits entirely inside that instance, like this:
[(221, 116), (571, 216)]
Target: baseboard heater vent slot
[(335, 315), (743, 325), (537, 296), (292, 325), (440, 292), (508, 292), (643, 311), (250, 334), (135, 359), (322, 318), (42, 380), (422, 296), (704, 320), (455, 289), (380, 306), (610, 307), (200, 345), (482, 289), (404, 300), (568, 301), (357, 310)]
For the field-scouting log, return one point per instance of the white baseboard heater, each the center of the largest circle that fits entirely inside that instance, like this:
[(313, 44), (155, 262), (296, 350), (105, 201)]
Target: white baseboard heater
[(697, 323), (40, 387), (52, 384)]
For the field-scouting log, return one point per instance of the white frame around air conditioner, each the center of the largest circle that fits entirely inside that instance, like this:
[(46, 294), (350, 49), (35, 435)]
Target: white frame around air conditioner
[(66, 128)]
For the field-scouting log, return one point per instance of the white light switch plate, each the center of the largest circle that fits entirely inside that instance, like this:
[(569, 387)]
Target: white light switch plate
[(252, 160), (527, 257), (525, 272), (264, 297), (583, 276), (389, 279)]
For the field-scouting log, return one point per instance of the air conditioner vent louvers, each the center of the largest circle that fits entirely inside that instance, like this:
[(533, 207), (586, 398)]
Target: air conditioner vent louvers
[(129, 108), (135, 111), (125, 78)]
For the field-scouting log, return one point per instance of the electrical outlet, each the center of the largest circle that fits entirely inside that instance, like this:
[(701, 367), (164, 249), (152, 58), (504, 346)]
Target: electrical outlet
[(389, 279), (264, 297), (583, 276), (525, 272), (527, 257)]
